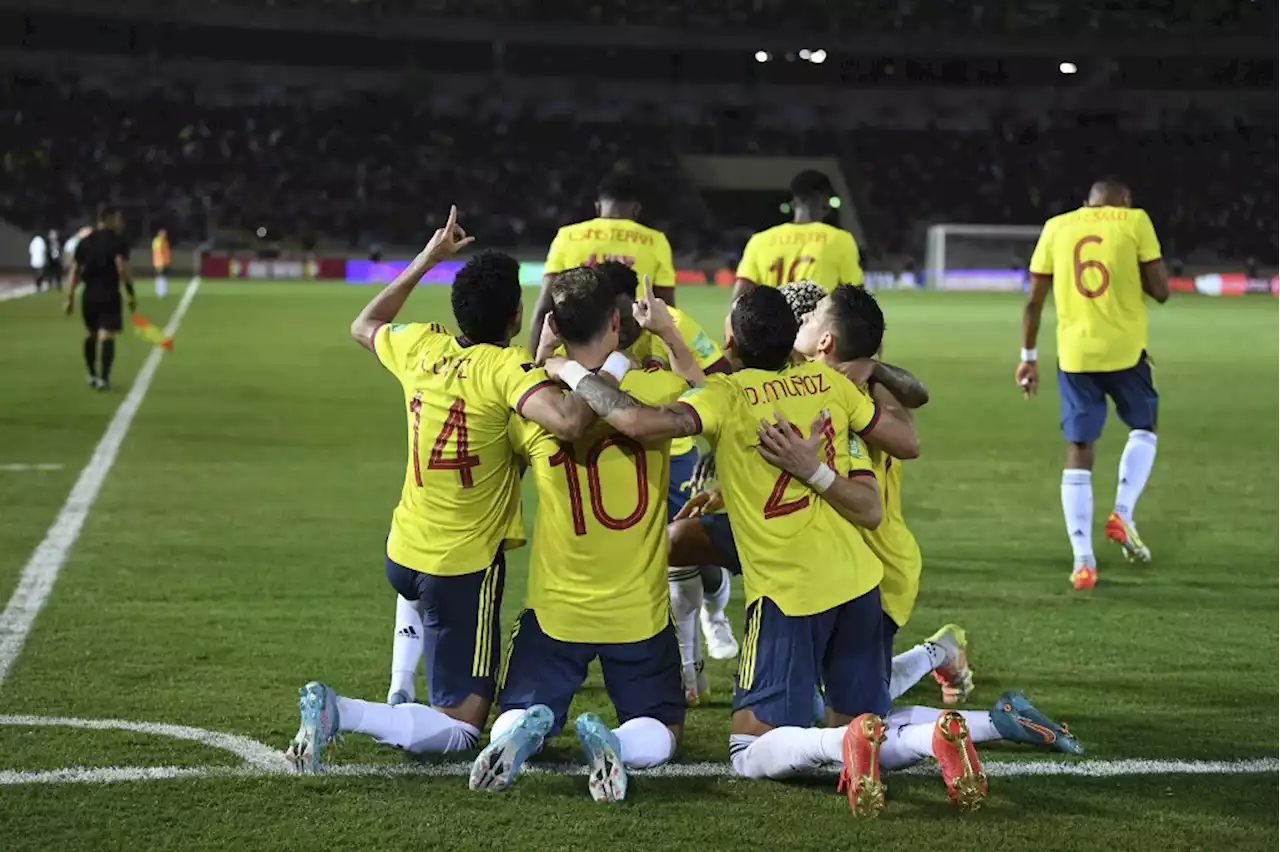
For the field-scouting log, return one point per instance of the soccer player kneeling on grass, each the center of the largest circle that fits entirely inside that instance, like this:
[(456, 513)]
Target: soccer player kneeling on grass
[(597, 579), (461, 490)]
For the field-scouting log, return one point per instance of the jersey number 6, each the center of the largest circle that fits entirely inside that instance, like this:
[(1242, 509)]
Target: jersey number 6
[(1079, 266), (633, 449)]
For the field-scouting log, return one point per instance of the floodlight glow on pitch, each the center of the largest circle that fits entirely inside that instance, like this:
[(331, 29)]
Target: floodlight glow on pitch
[(1067, 68), (762, 56), (818, 57), (835, 202)]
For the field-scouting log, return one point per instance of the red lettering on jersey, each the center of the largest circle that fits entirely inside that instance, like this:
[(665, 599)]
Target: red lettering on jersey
[(753, 398), (822, 383)]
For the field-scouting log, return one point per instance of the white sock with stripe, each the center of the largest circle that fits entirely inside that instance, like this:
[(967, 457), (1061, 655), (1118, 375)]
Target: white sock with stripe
[(685, 585), (910, 667), (505, 722), (412, 727), (406, 648), (907, 744), (1135, 467), (1077, 509), (786, 752), (981, 728), (645, 742)]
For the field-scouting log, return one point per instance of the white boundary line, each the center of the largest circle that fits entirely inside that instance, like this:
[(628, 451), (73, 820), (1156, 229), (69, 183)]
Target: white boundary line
[(261, 760), (18, 292), (41, 570)]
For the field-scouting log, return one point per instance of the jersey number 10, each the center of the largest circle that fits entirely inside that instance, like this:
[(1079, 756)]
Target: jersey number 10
[(594, 490)]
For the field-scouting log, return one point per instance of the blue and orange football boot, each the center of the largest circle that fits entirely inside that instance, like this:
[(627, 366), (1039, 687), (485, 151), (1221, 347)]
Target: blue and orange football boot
[(1018, 720)]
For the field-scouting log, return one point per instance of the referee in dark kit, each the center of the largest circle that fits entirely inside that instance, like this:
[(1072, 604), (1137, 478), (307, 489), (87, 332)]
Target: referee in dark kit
[(102, 263)]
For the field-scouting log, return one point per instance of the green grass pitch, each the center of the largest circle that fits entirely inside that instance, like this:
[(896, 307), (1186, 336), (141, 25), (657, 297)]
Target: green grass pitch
[(235, 551)]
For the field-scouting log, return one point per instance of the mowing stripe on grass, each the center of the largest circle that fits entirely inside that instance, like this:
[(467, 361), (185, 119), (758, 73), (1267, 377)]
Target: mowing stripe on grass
[(262, 760), (23, 468), (41, 570)]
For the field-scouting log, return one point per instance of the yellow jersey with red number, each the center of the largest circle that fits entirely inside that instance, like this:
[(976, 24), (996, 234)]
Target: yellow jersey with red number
[(794, 547), (597, 240), (159, 252), (598, 571), (815, 252), (1094, 255), (462, 485)]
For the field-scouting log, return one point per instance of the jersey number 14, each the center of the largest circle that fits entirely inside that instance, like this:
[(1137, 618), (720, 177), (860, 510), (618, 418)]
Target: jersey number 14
[(455, 429)]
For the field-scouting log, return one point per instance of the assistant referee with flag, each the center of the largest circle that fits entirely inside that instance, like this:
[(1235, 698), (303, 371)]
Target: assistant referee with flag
[(102, 263)]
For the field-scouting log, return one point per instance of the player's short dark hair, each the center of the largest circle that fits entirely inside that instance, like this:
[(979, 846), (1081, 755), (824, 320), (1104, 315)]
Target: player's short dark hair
[(620, 278), (619, 186), (581, 303), (486, 297), (105, 210), (811, 183), (857, 321), (764, 329)]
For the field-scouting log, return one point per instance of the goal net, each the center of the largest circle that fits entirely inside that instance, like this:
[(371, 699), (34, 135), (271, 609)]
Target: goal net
[(979, 257)]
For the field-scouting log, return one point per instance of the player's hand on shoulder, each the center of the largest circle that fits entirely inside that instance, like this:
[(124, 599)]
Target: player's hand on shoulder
[(783, 446), (858, 370), (651, 312), (449, 240), (1028, 378)]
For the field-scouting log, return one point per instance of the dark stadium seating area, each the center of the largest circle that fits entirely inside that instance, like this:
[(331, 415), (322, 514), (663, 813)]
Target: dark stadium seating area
[(372, 171)]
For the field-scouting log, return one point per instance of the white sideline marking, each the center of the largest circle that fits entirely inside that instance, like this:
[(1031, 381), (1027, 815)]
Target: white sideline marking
[(7, 293), (21, 468), (262, 760), (41, 570)]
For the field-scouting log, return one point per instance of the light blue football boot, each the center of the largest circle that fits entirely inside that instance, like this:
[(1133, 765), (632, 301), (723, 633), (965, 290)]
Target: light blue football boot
[(1018, 720), (499, 764), (318, 707), (606, 776)]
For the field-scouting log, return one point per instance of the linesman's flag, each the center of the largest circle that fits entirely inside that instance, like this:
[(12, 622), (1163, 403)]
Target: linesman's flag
[(148, 330)]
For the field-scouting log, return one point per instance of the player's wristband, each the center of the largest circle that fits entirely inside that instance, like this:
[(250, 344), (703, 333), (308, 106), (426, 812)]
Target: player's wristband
[(1029, 356), (822, 479), (616, 365), (573, 373)]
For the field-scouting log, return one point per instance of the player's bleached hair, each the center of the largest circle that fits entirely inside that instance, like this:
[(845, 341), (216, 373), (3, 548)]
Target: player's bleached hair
[(764, 329), (582, 304), (856, 321), (802, 297), (486, 297)]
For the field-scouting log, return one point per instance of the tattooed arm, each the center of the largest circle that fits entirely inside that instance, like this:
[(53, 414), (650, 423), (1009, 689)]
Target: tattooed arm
[(635, 419), (906, 388)]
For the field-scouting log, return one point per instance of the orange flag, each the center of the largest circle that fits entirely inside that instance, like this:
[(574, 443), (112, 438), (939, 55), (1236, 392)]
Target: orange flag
[(151, 332)]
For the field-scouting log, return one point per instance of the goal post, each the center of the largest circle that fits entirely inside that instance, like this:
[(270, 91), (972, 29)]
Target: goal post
[(978, 257)]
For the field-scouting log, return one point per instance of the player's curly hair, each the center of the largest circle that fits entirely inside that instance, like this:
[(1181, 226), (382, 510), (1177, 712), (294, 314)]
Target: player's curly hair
[(857, 321), (620, 278), (486, 297), (764, 329), (802, 297), (581, 304)]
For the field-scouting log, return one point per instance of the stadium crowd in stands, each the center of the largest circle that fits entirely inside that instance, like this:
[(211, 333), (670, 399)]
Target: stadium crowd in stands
[(364, 172)]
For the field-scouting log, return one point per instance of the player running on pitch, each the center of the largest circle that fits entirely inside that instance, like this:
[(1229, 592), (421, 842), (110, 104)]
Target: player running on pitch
[(805, 249), (461, 490), (1099, 260), (613, 235), (596, 580)]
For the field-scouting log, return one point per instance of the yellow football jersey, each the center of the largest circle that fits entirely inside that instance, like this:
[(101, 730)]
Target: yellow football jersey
[(1093, 255), (462, 485), (892, 541), (598, 571), (597, 240), (771, 512), (815, 252)]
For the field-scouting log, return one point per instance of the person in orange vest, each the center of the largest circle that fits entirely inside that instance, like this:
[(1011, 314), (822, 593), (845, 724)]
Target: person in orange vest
[(160, 260)]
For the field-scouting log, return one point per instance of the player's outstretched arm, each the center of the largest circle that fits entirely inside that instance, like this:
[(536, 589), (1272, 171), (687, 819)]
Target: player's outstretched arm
[(627, 414), (909, 391), (1155, 279), (564, 415), (541, 308), (652, 315), (856, 499), (386, 306)]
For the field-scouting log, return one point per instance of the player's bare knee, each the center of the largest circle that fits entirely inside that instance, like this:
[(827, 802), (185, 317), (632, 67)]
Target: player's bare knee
[(104, 335), (1080, 455), (474, 710), (745, 723)]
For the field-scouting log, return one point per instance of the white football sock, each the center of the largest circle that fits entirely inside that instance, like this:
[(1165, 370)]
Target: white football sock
[(1135, 467), (912, 665), (162, 286), (686, 599), (717, 599), (981, 728), (645, 743), (412, 727), (1077, 509), (784, 752), (907, 744), (505, 722), (406, 648)]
